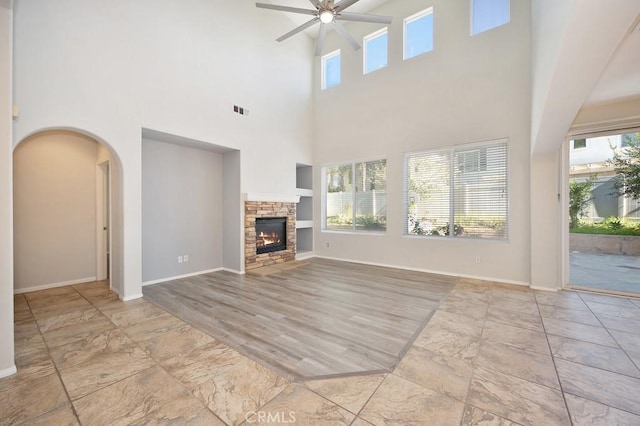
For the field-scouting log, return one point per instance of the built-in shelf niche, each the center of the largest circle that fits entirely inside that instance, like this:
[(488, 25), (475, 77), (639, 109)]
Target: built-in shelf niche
[(304, 211)]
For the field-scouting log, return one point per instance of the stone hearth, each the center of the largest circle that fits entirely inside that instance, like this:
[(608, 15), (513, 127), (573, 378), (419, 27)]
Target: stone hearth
[(254, 209)]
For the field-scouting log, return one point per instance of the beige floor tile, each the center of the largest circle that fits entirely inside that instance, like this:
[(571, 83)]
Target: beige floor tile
[(458, 323), (152, 328), (447, 343), (565, 300), (464, 306), (232, 392), (91, 348), (176, 342), (600, 386), (130, 399), (594, 355), (61, 416), (589, 413), (516, 399), (517, 337), (630, 311), (98, 293), (296, 404), (476, 417), (26, 400), (78, 332), (29, 369), (21, 310), (521, 293), (602, 298), (70, 318), (184, 410), (519, 306), (203, 357), (47, 311), (348, 392), (515, 319), (565, 314), (620, 324), (400, 402), (125, 314), (446, 375), (104, 370), (516, 362), (628, 341), (574, 330), (360, 422)]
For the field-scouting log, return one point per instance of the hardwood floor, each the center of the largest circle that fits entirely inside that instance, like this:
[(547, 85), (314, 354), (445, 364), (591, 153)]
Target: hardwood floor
[(324, 319)]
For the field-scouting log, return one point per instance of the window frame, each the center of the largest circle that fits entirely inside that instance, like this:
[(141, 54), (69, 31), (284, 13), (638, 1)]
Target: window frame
[(365, 40), (324, 185), (453, 150), (573, 145), (410, 19), (472, 26), (323, 69)]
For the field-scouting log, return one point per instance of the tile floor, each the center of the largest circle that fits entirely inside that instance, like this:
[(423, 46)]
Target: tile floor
[(491, 355)]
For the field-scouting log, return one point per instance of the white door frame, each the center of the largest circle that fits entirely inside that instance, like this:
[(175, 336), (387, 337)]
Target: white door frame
[(103, 220)]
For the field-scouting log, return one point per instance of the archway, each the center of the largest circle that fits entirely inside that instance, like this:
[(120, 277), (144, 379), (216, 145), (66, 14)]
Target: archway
[(64, 179)]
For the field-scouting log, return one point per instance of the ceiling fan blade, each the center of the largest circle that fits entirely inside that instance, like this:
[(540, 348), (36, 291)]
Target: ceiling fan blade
[(364, 17), (345, 4), (287, 8), (340, 29), (315, 3), (320, 40), (298, 29)]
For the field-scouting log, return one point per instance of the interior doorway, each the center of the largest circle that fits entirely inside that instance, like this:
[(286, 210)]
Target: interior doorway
[(604, 215), (103, 221)]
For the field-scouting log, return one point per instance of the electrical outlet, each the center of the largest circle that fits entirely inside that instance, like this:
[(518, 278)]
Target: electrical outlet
[(328, 244), (478, 259), (185, 257), (179, 259)]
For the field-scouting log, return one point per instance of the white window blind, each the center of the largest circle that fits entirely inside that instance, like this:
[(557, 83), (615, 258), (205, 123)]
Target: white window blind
[(460, 192)]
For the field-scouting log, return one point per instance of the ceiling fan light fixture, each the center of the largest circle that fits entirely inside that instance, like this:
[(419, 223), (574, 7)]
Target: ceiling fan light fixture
[(327, 16)]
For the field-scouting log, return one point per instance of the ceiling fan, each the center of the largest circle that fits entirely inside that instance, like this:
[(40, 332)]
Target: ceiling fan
[(328, 14)]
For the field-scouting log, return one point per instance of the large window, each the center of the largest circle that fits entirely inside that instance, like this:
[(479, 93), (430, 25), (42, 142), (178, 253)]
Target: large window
[(331, 69), (375, 51), (488, 14), (355, 196), (458, 192), (418, 33)]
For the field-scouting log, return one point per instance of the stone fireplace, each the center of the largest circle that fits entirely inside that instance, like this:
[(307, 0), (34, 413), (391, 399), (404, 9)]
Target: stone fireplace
[(266, 212)]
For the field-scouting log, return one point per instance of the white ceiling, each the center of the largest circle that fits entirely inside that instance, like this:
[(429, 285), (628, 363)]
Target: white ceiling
[(621, 78)]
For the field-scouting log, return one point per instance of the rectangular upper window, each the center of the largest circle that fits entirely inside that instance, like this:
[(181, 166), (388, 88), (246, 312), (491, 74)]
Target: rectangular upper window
[(375, 51), (488, 14), (418, 33), (579, 143), (330, 69), (459, 192), (355, 196)]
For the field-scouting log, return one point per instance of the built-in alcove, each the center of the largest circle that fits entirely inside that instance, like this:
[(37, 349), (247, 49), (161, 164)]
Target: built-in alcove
[(191, 207)]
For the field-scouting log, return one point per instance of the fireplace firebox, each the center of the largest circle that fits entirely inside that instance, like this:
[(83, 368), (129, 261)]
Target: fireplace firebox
[(271, 234)]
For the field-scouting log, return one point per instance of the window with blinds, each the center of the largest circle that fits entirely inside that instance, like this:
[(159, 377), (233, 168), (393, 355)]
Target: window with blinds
[(355, 196), (460, 192)]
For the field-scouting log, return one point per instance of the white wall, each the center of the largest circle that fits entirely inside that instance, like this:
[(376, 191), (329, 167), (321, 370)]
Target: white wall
[(469, 89), (7, 365), (182, 208), (112, 68), (54, 210)]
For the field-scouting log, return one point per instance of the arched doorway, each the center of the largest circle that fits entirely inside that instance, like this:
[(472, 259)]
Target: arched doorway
[(64, 185)]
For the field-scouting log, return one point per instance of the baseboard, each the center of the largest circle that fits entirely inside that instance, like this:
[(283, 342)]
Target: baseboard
[(430, 271), (130, 298), (53, 285), (304, 255), (8, 371), (233, 271), (177, 277), (535, 287)]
